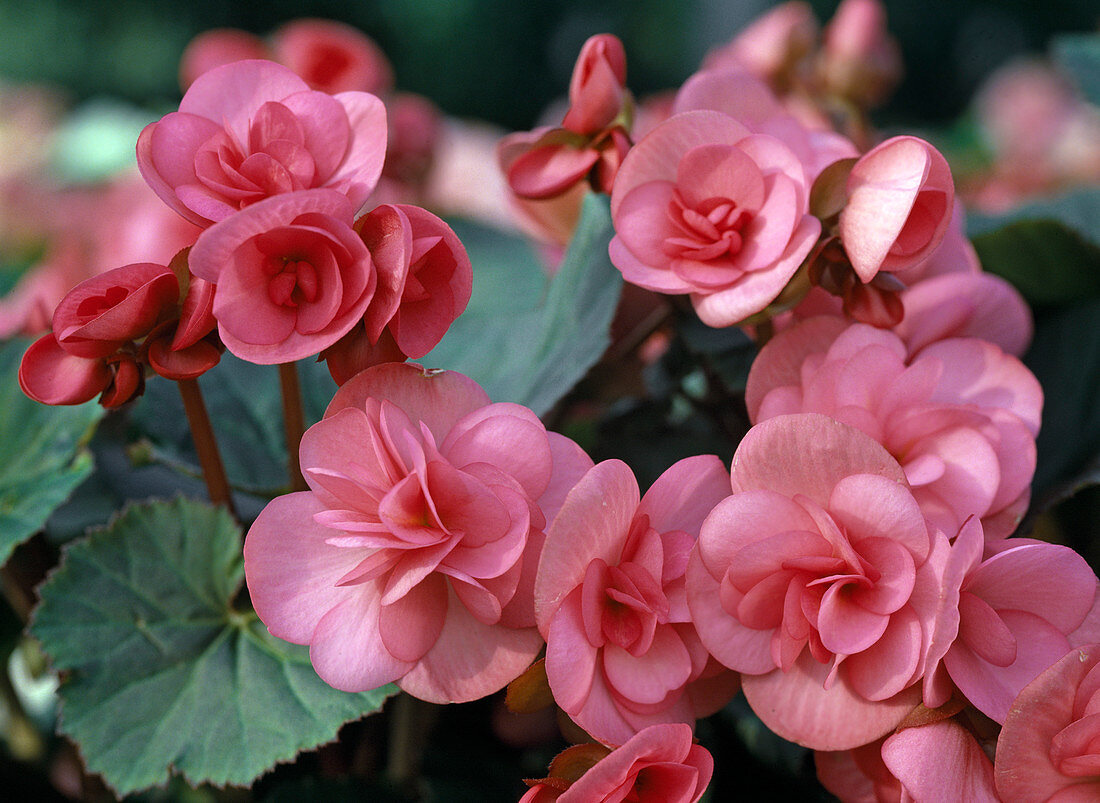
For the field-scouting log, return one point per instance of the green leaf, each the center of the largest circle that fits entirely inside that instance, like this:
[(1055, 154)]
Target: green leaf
[(161, 672), (1065, 358), (1049, 249), (245, 408), (1079, 57), (42, 454), (528, 341)]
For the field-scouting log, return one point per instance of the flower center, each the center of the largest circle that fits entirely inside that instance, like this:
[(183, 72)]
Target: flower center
[(709, 230), (292, 282)]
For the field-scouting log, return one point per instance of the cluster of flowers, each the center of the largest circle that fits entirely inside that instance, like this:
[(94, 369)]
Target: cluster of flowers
[(271, 174), (852, 571)]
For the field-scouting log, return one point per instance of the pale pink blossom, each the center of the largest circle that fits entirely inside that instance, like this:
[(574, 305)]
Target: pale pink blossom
[(938, 761), (1003, 619), (960, 416), (811, 580), (249, 130), (704, 206), (292, 275), (412, 558), (660, 764), (621, 651), (1048, 748), (900, 197)]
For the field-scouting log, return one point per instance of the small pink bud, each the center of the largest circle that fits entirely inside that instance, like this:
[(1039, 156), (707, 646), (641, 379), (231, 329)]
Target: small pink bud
[(333, 57), (216, 47), (860, 60), (597, 89)]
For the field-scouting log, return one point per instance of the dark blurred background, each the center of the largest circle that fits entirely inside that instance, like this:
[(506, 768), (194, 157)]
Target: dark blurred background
[(502, 60)]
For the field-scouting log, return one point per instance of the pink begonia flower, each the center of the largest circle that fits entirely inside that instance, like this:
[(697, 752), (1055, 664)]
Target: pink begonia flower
[(436, 275), (940, 761), (979, 305), (253, 129), (811, 581), (216, 47), (292, 275), (412, 558), (332, 57), (1048, 748), (660, 764), (592, 139), (859, 59), (621, 652), (1004, 619), (771, 46), (900, 197), (960, 416), (425, 281), (415, 128), (704, 206), (100, 314), (750, 102)]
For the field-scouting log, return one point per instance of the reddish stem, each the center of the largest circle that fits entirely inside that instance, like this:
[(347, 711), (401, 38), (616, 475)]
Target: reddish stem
[(217, 485), (293, 422)]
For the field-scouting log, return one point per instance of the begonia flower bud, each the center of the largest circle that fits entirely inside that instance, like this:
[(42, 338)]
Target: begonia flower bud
[(332, 57), (597, 89), (860, 60), (900, 197), (100, 314), (52, 375)]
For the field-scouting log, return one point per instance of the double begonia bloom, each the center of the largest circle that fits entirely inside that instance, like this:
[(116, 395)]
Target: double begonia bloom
[(253, 129), (292, 275), (1004, 619), (621, 652), (704, 206), (960, 416), (1049, 748), (412, 558), (811, 580), (660, 764), (900, 198)]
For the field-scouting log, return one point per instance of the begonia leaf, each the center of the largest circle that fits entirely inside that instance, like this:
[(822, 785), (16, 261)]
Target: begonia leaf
[(43, 456), (245, 408), (1065, 357), (1049, 249), (527, 341), (162, 672), (1078, 55)]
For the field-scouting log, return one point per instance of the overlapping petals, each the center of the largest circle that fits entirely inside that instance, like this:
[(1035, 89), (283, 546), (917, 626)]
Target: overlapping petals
[(249, 130), (961, 416), (621, 650), (704, 206), (409, 559), (292, 276), (1048, 748), (809, 581)]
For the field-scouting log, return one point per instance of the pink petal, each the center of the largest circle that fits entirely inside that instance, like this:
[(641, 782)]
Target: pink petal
[(941, 761), (229, 94), (438, 398), (51, 375), (409, 626), (470, 660), (649, 678), (796, 706), (685, 493), (362, 166)]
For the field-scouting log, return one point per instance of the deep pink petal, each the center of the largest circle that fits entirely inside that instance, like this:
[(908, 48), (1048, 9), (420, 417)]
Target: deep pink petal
[(409, 626), (941, 761)]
